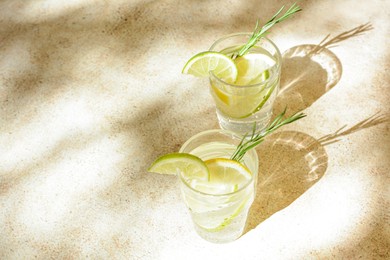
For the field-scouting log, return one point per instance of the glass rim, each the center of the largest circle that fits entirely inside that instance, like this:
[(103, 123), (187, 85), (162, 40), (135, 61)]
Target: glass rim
[(226, 133), (278, 64)]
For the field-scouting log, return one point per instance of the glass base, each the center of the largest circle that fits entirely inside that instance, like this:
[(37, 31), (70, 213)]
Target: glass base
[(245, 125), (230, 232)]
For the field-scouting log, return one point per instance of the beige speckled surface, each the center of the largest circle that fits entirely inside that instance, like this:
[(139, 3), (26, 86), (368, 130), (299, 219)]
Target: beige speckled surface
[(91, 93)]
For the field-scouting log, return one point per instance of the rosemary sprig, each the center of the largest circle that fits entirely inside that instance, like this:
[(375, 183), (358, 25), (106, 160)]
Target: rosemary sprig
[(259, 32), (256, 139)]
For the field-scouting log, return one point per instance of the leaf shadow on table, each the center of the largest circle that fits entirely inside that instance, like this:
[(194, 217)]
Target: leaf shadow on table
[(309, 71), (292, 162)]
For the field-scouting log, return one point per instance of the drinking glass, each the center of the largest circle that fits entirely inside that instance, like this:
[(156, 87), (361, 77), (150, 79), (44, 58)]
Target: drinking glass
[(218, 216), (239, 107)]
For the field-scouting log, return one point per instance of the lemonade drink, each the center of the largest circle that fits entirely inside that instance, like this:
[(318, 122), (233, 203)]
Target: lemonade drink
[(249, 99), (218, 171), (219, 205)]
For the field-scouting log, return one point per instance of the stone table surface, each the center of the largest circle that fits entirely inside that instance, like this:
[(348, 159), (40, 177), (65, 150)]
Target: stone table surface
[(91, 92)]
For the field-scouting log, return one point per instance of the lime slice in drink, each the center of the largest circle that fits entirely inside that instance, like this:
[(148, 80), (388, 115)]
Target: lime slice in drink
[(190, 166), (253, 68), (226, 176), (221, 65), (229, 219), (236, 102)]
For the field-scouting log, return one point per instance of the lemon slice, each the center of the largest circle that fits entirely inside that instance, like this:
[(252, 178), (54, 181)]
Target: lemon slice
[(226, 177), (253, 69), (221, 65), (229, 219), (242, 103), (188, 165)]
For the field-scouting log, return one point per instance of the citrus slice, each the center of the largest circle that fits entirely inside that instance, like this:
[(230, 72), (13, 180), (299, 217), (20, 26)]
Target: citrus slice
[(242, 103), (253, 70), (229, 219), (227, 177), (221, 65), (190, 166)]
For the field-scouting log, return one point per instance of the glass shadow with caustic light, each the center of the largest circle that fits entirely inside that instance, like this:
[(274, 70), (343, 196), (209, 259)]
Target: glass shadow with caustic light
[(290, 163), (309, 71)]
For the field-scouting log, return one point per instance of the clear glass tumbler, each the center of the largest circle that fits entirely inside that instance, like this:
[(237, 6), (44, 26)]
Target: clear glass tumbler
[(219, 216), (239, 106)]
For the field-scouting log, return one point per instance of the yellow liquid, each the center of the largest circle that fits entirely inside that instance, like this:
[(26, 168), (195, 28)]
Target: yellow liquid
[(239, 107)]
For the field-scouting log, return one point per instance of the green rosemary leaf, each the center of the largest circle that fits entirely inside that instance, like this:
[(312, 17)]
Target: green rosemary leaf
[(260, 32), (247, 144)]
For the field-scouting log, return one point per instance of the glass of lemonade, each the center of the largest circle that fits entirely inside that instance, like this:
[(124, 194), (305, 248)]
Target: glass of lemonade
[(219, 206), (250, 98)]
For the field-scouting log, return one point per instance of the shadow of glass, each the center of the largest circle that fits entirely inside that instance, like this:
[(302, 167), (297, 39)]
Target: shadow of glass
[(306, 77), (290, 163), (309, 71)]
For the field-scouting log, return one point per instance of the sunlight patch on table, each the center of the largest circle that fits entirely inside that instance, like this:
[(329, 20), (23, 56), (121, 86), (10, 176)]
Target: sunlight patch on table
[(25, 145), (50, 196)]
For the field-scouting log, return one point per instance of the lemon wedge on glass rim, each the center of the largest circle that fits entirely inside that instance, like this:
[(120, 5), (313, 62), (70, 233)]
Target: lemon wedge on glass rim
[(220, 64), (189, 165), (216, 176), (249, 70)]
